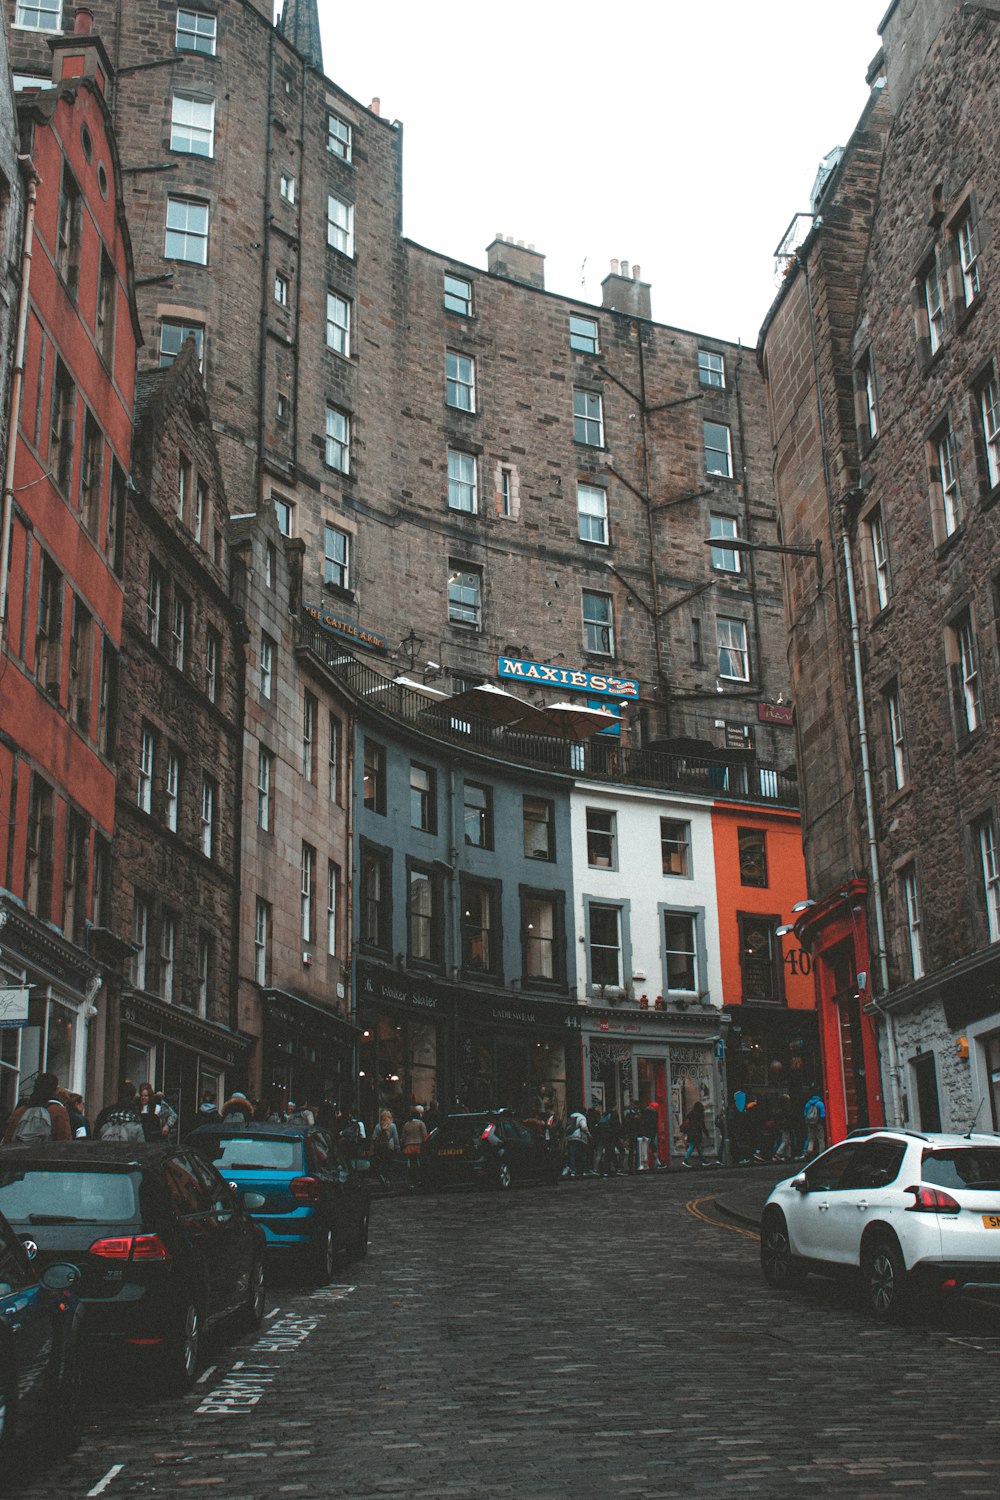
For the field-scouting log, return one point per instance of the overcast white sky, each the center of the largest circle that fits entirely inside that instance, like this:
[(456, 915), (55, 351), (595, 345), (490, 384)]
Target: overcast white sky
[(681, 136)]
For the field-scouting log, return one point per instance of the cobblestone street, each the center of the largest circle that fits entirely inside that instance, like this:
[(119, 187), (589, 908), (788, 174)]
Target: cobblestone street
[(584, 1341)]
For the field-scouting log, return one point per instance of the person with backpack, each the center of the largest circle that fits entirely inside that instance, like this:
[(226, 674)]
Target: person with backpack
[(40, 1117), (237, 1109), (120, 1121), (814, 1115)]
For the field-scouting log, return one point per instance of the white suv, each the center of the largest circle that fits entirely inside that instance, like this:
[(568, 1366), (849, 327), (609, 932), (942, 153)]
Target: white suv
[(903, 1208)]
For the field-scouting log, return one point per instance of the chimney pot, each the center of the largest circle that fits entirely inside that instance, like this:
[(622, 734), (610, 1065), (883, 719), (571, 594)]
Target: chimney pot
[(635, 273), (614, 266), (83, 23), (376, 105), (521, 244), (624, 267)]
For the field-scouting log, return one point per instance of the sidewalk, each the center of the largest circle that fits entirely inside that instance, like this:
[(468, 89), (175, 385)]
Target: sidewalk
[(742, 1197)]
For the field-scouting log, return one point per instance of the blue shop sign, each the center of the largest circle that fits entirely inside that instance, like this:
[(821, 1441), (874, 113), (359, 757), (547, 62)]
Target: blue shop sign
[(539, 673)]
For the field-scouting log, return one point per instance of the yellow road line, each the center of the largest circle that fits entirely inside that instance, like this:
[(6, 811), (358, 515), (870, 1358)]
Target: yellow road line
[(695, 1209)]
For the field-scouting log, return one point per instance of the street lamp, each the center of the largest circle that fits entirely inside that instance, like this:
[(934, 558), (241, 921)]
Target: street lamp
[(743, 544)]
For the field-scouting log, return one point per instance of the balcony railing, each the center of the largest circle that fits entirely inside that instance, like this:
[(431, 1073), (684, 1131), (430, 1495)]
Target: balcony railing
[(600, 757)]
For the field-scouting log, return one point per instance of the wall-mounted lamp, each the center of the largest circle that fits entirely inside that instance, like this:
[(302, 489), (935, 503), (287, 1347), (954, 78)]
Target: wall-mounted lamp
[(804, 905)]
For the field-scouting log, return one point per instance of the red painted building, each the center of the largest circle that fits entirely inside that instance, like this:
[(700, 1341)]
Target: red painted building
[(772, 1043), (66, 475)]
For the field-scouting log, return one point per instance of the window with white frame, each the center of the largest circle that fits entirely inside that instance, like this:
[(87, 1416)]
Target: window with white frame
[(186, 235), (933, 304), (336, 557), (196, 32), (338, 137), (711, 369), (967, 243), (734, 657), (946, 454), (598, 623), (206, 970), (262, 941), (265, 781), (332, 890), (183, 485), (588, 418), (310, 722), (540, 936), (338, 324), (286, 187), (458, 295), (870, 397), (675, 846), (192, 125), (200, 507), (718, 449), (213, 659), (726, 559), (333, 758), (897, 743), (172, 807), (140, 941), (460, 381), (179, 631), (462, 481), (339, 224), (465, 595), (989, 411), (990, 865), (912, 926), (168, 948), (285, 512), (147, 764), (209, 801), (307, 895), (281, 288), (964, 665), (338, 440), (174, 333), (39, 15), (583, 334), (592, 513), (601, 838), (604, 944), (881, 577), (680, 952)]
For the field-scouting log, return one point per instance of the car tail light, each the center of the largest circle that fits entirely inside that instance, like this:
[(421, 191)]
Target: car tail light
[(486, 1133), (304, 1189), (932, 1200), (144, 1247)]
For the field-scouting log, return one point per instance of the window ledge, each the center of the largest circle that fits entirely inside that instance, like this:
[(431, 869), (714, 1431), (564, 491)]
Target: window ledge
[(899, 795), (990, 498), (968, 312), (347, 595), (950, 542), (931, 362), (966, 742), (883, 614)]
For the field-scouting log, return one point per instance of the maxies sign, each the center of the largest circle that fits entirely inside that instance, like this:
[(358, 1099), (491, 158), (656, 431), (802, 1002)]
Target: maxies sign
[(564, 677)]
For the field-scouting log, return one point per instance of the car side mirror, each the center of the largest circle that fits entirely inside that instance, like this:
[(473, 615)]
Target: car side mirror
[(60, 1276), (252, 1201), (800, 1183)]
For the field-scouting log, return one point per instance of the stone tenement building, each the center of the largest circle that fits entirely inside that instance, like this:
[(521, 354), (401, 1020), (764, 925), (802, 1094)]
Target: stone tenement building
[(882, 358), (477, 469)]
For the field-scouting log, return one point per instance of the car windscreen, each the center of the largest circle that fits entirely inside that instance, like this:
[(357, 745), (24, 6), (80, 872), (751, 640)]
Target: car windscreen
[(66, 1195), (976, 1167), (252, 1153)]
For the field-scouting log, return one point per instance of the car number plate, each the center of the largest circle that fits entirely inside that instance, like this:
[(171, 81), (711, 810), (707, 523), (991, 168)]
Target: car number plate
[(450, 1151), (991, 1221)]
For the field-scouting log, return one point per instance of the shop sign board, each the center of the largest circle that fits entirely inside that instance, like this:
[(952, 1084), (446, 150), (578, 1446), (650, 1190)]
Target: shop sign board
[(370, 639), (539, 674), (776, 713), (14, 1006)]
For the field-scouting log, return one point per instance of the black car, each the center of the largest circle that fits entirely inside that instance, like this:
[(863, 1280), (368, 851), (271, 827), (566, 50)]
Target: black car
[(313, 1190), (40, 1375), (489, 1149), (165, 1245)]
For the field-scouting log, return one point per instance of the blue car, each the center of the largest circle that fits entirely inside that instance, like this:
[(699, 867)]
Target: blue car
[(41, 1383), (316, 1200)]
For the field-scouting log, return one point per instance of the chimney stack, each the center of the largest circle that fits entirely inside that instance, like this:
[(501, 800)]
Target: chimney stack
[(376, 105), (80, 53), (622, 290), (517, 262)]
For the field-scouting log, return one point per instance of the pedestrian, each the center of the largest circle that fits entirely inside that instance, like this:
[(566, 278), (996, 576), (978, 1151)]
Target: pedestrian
[(814, 1115), (120, 1121), (414, 1135), (40, 1117), (237, 1109), (609, 1128), (695, 1128), (577, 1145), (783, 1124), (385, 1147), (168, 1115), (299, 1114), (650, 1133), (630, 1125), (150, 1118), (207, 1112), (73, 1105)]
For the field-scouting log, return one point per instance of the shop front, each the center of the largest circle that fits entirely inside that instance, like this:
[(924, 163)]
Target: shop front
[(449, 1048), (669, 1060), (770, 1052), (308, 1052), (180, 1053)]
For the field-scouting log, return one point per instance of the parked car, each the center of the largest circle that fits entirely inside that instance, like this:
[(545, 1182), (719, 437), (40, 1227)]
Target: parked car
[(314, 1191), (899, 1208), (41, 1385), (488, 1149), (165, 1246)]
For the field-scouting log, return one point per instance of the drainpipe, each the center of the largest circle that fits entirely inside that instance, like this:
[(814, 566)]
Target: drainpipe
[(17, 380), (866, 776)]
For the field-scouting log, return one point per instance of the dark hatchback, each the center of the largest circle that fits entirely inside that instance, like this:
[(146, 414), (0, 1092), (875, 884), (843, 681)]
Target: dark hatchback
[(315, 1207), (490, 1149), (41, 1383), (165, 1245)]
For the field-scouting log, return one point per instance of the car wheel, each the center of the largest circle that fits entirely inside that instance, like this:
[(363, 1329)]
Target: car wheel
[(6, 1420), (181, 1351), (323, 1259), (781, 1269), (359, 1249), (252, 1312), (502, 1177), (883, 1279)]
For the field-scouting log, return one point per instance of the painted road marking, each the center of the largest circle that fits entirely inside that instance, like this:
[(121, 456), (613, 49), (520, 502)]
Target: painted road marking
[(247, 1380), (102, 1484), (205, 1374), (695, 1209)]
